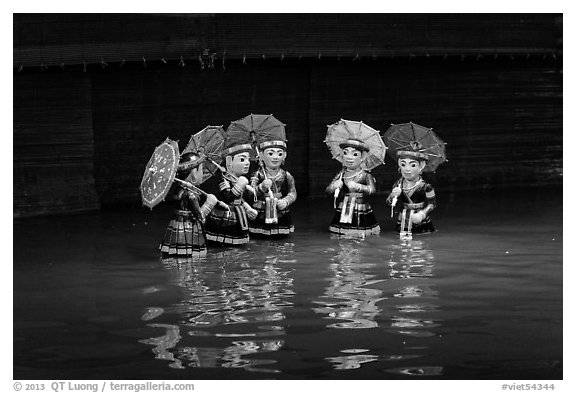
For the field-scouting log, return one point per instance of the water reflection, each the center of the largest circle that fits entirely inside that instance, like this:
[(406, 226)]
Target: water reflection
[(365, 292), (347, 299), (349, 362), (412, 261), (232, 308)]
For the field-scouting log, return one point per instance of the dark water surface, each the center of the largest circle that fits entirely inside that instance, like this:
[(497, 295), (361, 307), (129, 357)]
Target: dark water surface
[(479, 299)]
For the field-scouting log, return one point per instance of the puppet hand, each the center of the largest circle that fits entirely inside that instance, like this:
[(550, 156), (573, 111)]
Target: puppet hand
[(211, 199), (251, 212), (418, 217), (265, 185), (354, 186), (282, 204), (396, 191), (241, 182), (337, 183)]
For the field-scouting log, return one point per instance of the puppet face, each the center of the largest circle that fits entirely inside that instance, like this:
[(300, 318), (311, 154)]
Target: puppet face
[(196, 174), (410, 169), (239, 164), (352, 158), (273, 157)]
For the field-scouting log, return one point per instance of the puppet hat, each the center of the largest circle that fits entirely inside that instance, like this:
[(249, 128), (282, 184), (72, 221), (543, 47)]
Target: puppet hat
[(271, 141), (414, 151), (355, 143), (234, 145), (190, 160)]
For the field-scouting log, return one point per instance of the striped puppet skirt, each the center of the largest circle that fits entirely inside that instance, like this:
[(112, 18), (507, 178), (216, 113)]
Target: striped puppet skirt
[(227, 226), (354, 217), (405, 226), (184, 236), (271, 222)]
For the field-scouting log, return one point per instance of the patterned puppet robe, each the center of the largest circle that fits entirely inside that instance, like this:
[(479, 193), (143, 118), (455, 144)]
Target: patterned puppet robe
[(363, 219), (412, 201), (229, 226), (185, 235), (283, 187)]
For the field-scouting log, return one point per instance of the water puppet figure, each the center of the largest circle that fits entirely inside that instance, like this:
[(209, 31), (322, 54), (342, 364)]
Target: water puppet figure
[(185, 236), (230, 226), (417, 149), (359, 149), (276, 191)]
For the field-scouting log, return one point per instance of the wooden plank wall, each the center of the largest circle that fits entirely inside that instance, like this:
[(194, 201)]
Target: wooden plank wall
[(135, 110), (82, 140), (53, 145), (501, 118), (55, 39)]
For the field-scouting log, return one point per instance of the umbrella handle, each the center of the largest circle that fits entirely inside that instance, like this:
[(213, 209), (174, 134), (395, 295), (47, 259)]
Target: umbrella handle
[(192, 187), (220, 167), (270, 193), (394, 200), (337, 191), (230, 177)]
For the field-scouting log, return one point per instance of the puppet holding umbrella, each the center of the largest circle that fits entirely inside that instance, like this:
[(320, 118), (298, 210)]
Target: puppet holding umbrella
[(275, 187), (180, 175), (417, 149), (231, 225), (359, 148)]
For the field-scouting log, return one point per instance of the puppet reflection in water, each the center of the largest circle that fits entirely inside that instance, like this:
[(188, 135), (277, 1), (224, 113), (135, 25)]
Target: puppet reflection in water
[(229, 310), (412, 262), (368, 293), (347, 299)]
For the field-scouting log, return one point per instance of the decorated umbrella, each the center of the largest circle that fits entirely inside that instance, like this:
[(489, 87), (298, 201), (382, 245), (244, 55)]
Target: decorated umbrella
[(208, 144), (159, 173), (343, 130), (256, 129), (410, 136)]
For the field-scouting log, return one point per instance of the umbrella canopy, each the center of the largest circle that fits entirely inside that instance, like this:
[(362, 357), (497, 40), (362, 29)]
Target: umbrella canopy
[(207, 144), (159, 173), (256, 129), (344, 130), (416, 138)]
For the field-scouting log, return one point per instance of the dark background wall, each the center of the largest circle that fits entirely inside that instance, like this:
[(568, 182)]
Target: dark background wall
[(94, 94)]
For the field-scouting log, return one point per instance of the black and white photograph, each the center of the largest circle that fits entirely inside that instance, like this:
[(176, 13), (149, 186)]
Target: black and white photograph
[(336, 195)]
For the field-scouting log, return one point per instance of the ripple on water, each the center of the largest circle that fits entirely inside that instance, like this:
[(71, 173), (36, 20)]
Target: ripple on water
[(351, 362), (426, 371)]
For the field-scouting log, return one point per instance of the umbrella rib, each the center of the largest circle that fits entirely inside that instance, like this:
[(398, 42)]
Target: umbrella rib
[(424, 135), (401, 144), (264, 121), (346, 127), (413, 133)]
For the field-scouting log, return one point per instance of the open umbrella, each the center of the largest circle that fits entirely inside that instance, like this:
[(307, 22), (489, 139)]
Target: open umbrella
[(159, 173), (411, 136), (207, 144), (343, 130), (257, 128)]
